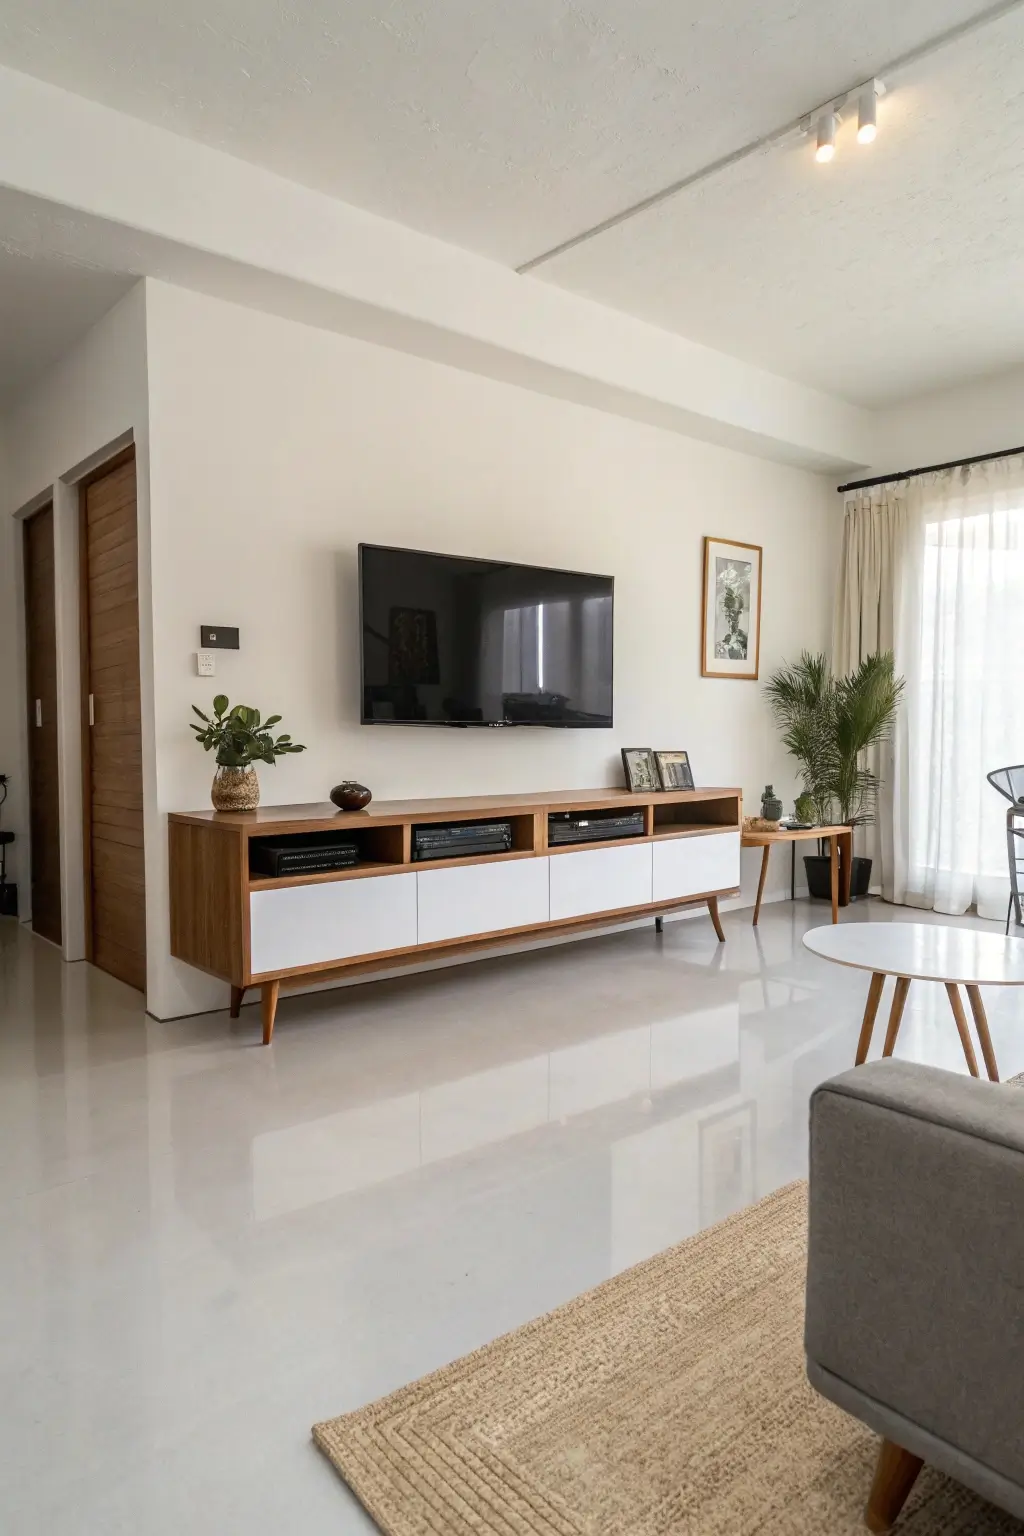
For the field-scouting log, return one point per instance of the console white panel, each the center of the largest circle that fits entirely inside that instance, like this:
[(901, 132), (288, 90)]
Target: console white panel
[(689, 866), (303, 925), (599, 880), (456, 903)]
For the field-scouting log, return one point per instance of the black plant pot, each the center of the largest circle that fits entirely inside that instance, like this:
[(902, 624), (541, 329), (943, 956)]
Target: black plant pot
[(819, 876)]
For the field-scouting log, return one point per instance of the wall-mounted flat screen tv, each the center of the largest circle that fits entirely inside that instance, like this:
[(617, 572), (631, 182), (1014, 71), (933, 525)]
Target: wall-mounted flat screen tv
[(454, 641)]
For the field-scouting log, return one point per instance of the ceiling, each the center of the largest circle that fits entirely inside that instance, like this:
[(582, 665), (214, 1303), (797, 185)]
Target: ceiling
[(46, 304), (510, 128)]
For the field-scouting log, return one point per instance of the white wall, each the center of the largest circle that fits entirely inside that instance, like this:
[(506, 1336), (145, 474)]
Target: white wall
[(276, 448), (92, 402), (984, 416)]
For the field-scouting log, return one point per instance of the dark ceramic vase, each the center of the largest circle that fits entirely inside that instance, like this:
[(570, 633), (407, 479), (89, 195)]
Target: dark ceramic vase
[(351, 796), (771, 805)]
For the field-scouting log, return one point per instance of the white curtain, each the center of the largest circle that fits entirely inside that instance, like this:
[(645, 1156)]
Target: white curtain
[(875, 533), (933, 568), (959, 605)]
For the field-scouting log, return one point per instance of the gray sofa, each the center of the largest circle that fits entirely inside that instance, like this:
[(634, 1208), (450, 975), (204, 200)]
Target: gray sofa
[(915, 1277)]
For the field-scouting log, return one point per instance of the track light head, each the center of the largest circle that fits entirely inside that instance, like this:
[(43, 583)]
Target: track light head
[(867, 113), (826, 137)]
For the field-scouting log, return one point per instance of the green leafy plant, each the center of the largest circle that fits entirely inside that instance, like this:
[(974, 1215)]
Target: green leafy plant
[(829, 722), (240, 735)]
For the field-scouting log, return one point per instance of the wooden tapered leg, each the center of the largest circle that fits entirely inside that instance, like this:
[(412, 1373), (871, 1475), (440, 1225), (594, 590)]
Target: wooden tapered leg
[(895, 1475), (899, 1002), (981, 1025), (765, 852), (956, 1002), (870, 1012), (268, 998), (713, 909), (833, 857), (237, 993)]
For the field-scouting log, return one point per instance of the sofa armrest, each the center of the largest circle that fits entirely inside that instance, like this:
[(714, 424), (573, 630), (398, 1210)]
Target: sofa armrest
[(915, 1280)]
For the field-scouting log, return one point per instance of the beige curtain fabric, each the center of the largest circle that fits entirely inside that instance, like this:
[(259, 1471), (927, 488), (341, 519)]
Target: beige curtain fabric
[(866, 621)]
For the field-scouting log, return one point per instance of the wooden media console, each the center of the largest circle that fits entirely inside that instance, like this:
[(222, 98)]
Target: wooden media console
[(386, 911)]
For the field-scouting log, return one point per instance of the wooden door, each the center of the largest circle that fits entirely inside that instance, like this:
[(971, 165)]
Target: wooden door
[(115, 882), (41, 667)]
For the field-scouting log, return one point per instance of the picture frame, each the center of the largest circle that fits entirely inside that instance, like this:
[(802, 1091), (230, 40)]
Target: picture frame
[(730, 639), (641, 770), (674, 770)]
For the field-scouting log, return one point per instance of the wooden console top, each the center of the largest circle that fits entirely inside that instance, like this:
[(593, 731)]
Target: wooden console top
[(324, 817)]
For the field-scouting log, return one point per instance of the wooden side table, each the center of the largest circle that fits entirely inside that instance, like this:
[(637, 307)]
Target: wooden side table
[(840, 840)]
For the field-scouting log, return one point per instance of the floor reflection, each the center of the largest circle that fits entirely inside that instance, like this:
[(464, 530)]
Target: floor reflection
[(209, 1245)]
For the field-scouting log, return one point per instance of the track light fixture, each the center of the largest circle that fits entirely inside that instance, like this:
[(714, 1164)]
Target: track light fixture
[(826, 136), (867, 113), (824, 120)]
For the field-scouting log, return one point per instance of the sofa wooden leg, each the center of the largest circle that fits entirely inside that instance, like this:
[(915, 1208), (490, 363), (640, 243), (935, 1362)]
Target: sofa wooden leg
[(268, 998), (237, 993), (895, 1474)]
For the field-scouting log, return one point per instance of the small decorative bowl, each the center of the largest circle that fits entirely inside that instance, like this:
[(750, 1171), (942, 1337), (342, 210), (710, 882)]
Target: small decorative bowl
[(350, 796)]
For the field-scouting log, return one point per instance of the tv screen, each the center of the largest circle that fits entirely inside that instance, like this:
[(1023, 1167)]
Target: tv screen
[(451, 641)]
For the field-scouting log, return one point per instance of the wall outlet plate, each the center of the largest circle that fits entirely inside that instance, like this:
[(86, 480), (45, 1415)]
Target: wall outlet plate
[(206, 664), (219, 637)]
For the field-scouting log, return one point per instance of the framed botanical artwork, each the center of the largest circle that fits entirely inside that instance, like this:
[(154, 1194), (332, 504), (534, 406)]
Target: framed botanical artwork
[(674, 770), (731, 612), (641, 770)]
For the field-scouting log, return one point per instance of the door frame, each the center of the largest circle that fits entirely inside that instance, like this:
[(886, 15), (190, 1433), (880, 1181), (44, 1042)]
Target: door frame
[(37, 508), (124, 456)]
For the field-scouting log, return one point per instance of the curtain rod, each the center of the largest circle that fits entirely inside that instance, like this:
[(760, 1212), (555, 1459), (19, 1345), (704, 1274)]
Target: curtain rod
[(929, 469)]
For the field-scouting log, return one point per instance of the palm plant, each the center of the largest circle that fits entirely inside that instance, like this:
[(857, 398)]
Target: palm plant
[(828, 723)]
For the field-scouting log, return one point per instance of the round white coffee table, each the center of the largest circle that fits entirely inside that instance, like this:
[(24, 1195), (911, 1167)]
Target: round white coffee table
[(922, 952)]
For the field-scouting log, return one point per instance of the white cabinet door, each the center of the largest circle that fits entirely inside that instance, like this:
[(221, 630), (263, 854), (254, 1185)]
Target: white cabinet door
[(456, 903), (600, 880), (301, 925), (691, 866)]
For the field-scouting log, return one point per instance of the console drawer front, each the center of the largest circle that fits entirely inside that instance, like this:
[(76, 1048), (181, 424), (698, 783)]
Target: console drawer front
[(456, 903), (305, 925), (692, 866), (599, 880)]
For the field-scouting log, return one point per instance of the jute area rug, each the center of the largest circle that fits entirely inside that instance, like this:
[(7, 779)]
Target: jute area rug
[(671, 1399)]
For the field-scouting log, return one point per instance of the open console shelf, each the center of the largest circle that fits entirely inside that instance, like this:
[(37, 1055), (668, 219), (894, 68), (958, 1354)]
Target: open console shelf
[(234, 919)]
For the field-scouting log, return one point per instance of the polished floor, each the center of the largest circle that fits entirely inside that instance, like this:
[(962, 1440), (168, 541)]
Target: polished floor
[(205, 1246)]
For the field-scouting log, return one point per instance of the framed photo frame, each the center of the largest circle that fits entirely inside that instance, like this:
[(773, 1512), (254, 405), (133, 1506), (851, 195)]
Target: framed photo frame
[(640, 769), (730, 639), (674, 770)]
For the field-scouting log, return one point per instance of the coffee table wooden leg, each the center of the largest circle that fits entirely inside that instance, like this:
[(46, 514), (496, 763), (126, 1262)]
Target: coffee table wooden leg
[(765, 852), (833, 846), (899, 1002), (956, 1002), (870, 1013), (981, 1025), (713, 909)]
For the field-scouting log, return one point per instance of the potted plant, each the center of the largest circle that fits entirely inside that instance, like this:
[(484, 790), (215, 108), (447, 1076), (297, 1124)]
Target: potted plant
[(827, 724), (242, 739)]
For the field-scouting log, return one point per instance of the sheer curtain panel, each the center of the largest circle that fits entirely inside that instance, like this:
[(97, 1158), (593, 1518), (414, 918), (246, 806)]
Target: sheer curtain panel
[(958, 596)]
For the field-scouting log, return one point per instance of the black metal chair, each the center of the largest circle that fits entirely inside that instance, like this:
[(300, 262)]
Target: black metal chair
[(1010, 784)]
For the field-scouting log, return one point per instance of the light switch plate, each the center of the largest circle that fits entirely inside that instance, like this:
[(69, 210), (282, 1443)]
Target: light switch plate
[(206, 664)]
